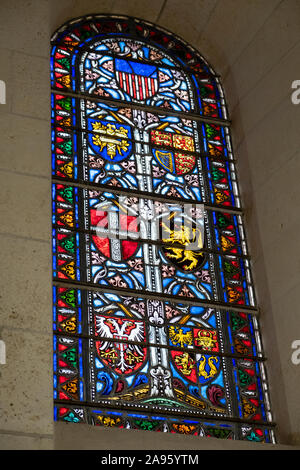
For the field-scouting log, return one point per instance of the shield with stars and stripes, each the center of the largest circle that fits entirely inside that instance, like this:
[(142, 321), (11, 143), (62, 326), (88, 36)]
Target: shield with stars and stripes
[(139, 80)]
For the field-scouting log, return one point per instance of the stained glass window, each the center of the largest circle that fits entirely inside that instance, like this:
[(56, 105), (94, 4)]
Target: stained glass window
[(149, 333)]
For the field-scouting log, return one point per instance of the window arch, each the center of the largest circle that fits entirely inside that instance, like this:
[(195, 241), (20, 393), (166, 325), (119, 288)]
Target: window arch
[(155, 317)]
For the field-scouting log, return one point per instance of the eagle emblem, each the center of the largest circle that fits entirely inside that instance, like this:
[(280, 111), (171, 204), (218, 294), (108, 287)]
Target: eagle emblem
[(118, 347)]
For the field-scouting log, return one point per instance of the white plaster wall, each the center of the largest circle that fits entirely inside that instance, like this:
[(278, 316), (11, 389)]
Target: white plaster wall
[(254, 45)]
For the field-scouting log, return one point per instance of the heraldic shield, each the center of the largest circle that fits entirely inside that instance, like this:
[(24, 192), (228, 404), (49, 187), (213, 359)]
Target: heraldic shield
[(138, 80), (198, 369), (187, 233), (175, 162), (110, 140), (101, 219), (123, 356)]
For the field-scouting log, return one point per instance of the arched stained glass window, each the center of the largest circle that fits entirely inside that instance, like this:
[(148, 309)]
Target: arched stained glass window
[(155, 318)]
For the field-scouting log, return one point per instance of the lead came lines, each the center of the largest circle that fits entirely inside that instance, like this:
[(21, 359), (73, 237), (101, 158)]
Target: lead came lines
[(155, 308)]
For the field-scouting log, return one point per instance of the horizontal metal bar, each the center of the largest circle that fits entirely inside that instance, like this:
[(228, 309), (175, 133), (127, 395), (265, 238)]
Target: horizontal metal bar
[(144, 194), (166, 413), (142, 107), (158, 296), (145, 344)]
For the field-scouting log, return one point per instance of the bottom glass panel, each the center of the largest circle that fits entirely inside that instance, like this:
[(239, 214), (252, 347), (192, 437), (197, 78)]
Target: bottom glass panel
[(160, 423), (145, 355)]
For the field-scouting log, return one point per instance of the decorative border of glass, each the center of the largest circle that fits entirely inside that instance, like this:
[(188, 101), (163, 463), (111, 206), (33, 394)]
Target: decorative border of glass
[(160, 423)]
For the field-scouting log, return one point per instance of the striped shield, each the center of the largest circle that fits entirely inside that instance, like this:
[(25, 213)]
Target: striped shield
[(139, 80)]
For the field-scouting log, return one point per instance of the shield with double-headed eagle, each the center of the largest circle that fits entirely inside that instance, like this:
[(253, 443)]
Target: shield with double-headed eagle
[(119, 346)]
